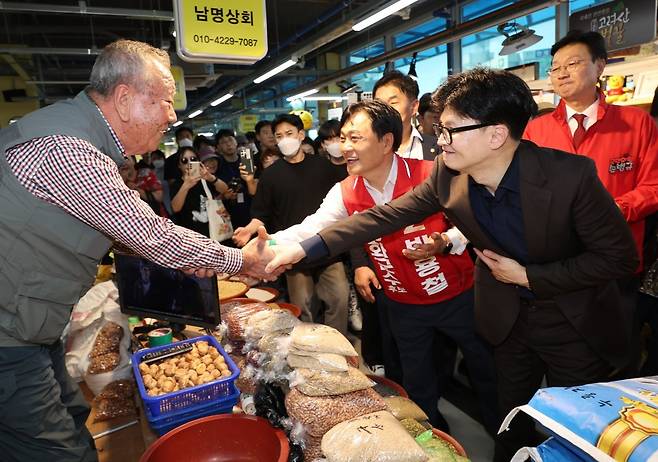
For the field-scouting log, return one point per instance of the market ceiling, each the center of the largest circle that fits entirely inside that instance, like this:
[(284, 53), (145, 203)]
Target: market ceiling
[(53, 45)]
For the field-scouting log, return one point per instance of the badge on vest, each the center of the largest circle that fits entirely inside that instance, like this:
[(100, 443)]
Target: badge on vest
[(621, 164)]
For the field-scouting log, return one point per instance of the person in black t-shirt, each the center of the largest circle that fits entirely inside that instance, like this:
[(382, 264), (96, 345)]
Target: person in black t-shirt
[(184, 136), (288, 191), (188, 198)]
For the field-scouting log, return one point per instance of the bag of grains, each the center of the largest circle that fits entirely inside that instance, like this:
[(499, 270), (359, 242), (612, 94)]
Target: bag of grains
[(322, 383), (264, 322), (238, 318), (404, 408), (322, 339), (375, 437), (319, 413), (318, 361)]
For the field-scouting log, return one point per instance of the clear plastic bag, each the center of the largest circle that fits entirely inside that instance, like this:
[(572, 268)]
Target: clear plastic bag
[(318, 361), (375, 437), (323, 383), (319, 413), (115, 400), (322, 339), (238, 317), (265, 322), (404, 408)]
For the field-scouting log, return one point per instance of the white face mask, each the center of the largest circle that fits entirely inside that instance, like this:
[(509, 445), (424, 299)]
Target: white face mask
[(185, 143), (158, 163), (334, 149), (289, 146)]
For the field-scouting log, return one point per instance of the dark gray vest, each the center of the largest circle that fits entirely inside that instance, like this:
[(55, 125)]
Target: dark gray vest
[(48, 258)]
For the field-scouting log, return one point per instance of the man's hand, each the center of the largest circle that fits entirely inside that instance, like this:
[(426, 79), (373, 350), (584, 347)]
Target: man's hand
[(363, 277), (256, 255), (504, 269), (424, 251), (241, 236), (286, 256)]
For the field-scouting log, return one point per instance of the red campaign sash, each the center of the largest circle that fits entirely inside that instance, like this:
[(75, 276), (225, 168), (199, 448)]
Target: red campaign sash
[(423, 282)]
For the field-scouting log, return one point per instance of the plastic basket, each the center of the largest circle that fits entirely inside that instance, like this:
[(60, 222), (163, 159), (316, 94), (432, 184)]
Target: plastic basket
[(189, 399), (163, 424)]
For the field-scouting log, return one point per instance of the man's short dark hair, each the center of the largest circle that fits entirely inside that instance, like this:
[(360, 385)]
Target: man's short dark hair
[(594, 42), (199, 141), (182, 129), (488, 96), (385, 119), (261, 124), (425, 104), (403, 82), (292, 119), (328, 129), (223, 133)]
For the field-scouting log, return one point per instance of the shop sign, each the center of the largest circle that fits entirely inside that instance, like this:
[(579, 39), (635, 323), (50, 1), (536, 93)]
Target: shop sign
[(623, 24), (247, 123), (180, 98), (230, 31)]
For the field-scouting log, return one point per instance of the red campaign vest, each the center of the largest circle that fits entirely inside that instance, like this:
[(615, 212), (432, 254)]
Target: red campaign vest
[(423, 282)]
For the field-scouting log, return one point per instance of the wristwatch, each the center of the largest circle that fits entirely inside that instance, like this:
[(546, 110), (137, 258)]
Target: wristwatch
[(448, 247)]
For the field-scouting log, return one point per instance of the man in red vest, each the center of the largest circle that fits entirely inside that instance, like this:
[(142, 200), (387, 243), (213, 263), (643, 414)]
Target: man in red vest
[(422, 297)]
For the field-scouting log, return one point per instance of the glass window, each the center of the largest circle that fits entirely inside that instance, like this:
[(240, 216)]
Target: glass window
[(482, 49), (431, 68), (577, 5), (428, 28), (369, 51), (479, 8)]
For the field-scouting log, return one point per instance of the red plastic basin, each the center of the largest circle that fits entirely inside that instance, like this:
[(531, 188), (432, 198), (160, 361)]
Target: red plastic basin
[(221, 438), (444, 436)]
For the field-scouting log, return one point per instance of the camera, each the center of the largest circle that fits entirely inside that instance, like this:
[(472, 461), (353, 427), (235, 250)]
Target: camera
[(235, 184)]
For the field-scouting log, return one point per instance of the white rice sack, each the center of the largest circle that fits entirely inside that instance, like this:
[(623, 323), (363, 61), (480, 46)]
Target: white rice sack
[(318, 362), (376, 437), (265, 322), (322, 339)]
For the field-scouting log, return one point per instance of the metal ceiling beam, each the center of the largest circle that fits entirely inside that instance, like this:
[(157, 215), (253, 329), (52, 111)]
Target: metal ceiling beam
[(459, 31), (49, 51), (83, 9)]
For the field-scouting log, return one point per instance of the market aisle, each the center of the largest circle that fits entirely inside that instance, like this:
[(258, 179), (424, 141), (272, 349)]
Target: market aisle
[(471, 435)]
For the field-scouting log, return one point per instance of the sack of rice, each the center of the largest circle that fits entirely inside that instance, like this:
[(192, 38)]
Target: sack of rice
[(322, 339)]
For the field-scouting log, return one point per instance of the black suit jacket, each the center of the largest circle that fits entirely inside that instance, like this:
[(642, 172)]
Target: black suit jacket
[(578, 243), (430, 147)]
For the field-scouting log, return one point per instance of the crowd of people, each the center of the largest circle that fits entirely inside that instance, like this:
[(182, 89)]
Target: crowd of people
[(461, 219)]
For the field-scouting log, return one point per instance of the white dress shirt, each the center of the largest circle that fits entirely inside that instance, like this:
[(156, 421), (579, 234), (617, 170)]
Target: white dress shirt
[(590, 116), (333, 209), (415, 149)]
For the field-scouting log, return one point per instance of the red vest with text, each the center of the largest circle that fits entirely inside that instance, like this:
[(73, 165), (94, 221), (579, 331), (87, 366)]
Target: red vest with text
[(421, 282)]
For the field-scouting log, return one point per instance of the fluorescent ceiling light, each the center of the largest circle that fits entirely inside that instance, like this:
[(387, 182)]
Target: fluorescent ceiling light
[(325, 98), (218, 101), (194, 114), (276, 70), (180, 122), (207, 134), (170, 143), (302, 94), (389, 10)]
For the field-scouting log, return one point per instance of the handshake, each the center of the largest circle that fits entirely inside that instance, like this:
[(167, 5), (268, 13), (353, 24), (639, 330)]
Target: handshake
[(262, 259)]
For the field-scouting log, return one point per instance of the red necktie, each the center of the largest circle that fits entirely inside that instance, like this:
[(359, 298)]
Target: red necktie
[(579, 134)]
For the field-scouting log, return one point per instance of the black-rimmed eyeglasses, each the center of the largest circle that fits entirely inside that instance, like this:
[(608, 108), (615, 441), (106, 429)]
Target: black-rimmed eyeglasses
[(446, 133)]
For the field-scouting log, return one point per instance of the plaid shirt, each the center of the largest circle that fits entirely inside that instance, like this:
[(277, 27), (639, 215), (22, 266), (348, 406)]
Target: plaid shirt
[(75, 176)]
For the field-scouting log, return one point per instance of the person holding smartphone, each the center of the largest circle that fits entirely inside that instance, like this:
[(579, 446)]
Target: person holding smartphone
[(188, 199)]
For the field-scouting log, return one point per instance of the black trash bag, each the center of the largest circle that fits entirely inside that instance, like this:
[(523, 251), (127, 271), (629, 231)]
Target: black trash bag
[(270, 404), (296, 453)]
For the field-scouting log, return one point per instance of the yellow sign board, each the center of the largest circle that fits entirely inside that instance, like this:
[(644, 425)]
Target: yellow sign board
[(247, 123), (227, 31), (180, 98)]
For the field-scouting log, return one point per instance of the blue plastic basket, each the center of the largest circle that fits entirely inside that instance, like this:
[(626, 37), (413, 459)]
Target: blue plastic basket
[(190, 399), (163, 424)]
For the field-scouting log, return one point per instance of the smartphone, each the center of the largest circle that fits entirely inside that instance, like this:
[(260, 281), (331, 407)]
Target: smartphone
[(194, 169), (247, 160)]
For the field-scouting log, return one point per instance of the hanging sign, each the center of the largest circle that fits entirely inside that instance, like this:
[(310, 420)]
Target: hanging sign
[(227, 31)]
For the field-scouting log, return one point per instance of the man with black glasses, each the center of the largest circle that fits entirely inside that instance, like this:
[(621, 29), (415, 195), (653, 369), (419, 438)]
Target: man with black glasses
[(549, 238)]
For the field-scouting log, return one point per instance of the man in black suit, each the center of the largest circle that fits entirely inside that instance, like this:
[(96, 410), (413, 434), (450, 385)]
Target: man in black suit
[(550, 243)]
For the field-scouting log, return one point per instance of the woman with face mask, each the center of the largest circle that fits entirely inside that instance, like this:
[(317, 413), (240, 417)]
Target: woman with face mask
[(328, 142)]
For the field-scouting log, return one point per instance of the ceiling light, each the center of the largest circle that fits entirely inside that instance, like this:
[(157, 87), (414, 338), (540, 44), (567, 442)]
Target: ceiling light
[(386, 12), (325, 98), (207, 134), (195, 113), (280, 68), (219, 101), (518, 38), (180, 122), (302, 94), (170, 143)]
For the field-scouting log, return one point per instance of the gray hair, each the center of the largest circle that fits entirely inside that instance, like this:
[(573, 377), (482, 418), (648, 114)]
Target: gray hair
[(123, 61)]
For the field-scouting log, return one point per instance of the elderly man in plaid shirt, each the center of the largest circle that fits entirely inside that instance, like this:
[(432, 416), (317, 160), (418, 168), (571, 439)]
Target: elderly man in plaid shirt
[(63, 202)]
